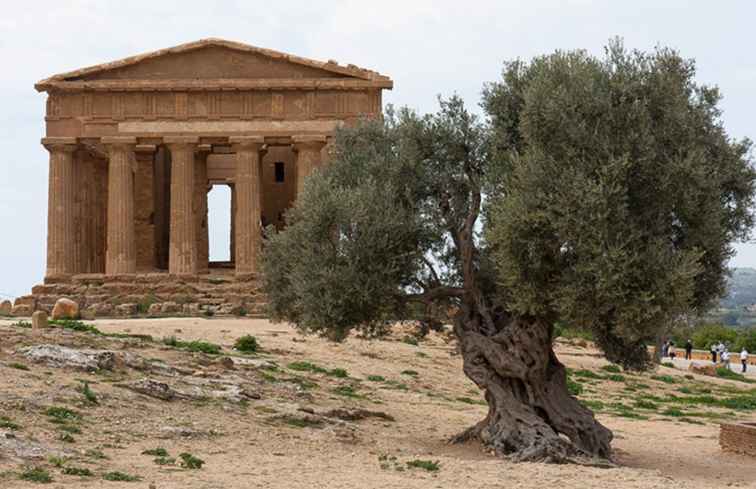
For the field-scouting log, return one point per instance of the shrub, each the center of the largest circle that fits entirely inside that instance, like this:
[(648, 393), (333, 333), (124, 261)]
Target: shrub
[(36, 474), (376, 378), (120, 477), (726, 373), (338, 372), (246, 344), (428, 465), (156, 452), (707, 334), (80, 471), (587, 374), (615, 369), (88, 394), (189, 461), (8, 424), (616, 378), (193, 346), (62, 413)]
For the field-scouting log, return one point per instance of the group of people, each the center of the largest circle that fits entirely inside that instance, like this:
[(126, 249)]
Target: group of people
[(718, 351)]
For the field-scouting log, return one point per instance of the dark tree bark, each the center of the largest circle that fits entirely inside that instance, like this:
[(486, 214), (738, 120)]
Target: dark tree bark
[(531, 414)]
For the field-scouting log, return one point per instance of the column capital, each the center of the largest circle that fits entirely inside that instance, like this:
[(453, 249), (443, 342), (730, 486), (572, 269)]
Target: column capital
[(144, 151), (180, 140), (247, 142), (314, 141), (66, 145)]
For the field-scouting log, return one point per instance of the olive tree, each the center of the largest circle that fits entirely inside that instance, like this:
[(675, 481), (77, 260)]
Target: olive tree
[(598, 193)]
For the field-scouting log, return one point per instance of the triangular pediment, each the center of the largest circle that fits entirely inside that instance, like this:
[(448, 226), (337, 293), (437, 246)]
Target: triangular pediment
[(214, 59)]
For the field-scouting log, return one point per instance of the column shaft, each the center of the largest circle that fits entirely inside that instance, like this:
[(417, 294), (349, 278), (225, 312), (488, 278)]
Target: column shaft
[(248, 210), (120, 255), (146, 252), (200, 211), (60, 208), (182, 259), (308, 150)]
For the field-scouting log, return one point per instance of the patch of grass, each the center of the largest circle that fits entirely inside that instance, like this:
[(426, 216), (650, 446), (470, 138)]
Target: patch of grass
[(165, 461), (587, 374), (120, 477), (468, 400), (421, 354), (88, 394), (393, 384), (410, 340), (592, 405), (193, 346), (304, 366), (8, 424), (36, 474), (156, 452), (338, 372), (246, 344), (616, 377), (58, 462), (22, 324), (575, 388), (624, 411), (674, 412), (95, 453), (428, 465), (644, 404), (189, 461), (347, 391), (18, 366), (376, 378), (668, 365), (412, 373), (143, 306), (615, 369), (685, 390), (667, 379), (726, 373), (80, 471), (62, 414)]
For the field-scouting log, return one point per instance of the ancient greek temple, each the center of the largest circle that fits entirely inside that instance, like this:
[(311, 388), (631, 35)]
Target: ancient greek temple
[(135, 146)]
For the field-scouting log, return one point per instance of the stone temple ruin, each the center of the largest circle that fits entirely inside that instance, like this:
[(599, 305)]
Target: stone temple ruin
[(136, 145)]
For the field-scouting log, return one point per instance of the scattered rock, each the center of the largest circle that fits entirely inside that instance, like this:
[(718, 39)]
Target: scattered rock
[(126, 310), (21, 310), (345, 414), (169, 307), (155, 309), (65, 309), (697, 368), (20, 449), (5, 308), (153, 388), (61, 356), (39, 320)]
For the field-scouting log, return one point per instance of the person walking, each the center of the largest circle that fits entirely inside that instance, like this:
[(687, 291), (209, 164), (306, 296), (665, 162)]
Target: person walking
[(671, 350), (688, 350), (665, 349), (725, 356), (744, 359), (713, 353)]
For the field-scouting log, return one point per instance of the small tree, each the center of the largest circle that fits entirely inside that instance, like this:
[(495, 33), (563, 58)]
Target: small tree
[(611, 196)]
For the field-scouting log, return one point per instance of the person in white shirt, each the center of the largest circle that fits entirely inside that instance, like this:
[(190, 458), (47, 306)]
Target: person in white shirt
[(725, 359), (744, 359)]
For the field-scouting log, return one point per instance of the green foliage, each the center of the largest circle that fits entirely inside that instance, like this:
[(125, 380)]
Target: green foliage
[(667, 379), (88, 394), (428, 465), (67, 438), (189, 461), (18, 366), (194, 346), (8, 424), (726, 373), (644, 404), (668, 364), (623, 194), (616, 378), (120, 477), (706, 335), (156, 452), (246, 344), (80, 471), (574, 388), (304, 366), (615, 369), (62, 413), (587, 374), (376, 378), (347, 391), (411, 373), (36, 474)]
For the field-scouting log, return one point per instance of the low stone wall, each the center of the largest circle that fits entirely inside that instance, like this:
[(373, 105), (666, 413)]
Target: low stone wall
[(738, 438), (705, 356)]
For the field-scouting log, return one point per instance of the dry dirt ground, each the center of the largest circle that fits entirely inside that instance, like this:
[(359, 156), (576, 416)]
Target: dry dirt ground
[(264, 422)]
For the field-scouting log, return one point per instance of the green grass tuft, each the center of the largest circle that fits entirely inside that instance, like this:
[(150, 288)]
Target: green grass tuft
[(246, 344), (120, 477), (189, 461), (80, 471), (428, 465), (156, 452), (615, 369), (376, 378), (36, 474)]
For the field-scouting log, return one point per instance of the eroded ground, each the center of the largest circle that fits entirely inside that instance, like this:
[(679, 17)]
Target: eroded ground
[(305, 413)]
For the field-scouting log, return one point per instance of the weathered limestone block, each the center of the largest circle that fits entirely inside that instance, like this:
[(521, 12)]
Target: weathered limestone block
[(39, 320), (126, 310), (169, 307), (697, 368), (65, 309), (5, 308), (61, 356), (21, 310)]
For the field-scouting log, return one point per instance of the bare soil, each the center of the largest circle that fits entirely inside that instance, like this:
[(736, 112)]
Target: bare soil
[(293, 437)]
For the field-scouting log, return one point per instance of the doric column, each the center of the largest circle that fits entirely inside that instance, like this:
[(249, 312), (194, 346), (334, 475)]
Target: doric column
[(146, 251), (120, 253), (200, 207), (182, 254), (308, 150), (248, 209), (60, 206)]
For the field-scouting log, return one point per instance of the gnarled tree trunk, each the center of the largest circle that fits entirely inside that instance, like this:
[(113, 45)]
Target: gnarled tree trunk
[(531, 414)]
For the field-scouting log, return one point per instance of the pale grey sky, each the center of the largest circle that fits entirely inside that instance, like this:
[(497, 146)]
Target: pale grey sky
[(427, 47)]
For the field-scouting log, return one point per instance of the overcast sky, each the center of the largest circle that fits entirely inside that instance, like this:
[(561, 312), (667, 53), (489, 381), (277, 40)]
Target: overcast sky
[(427, 47)]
